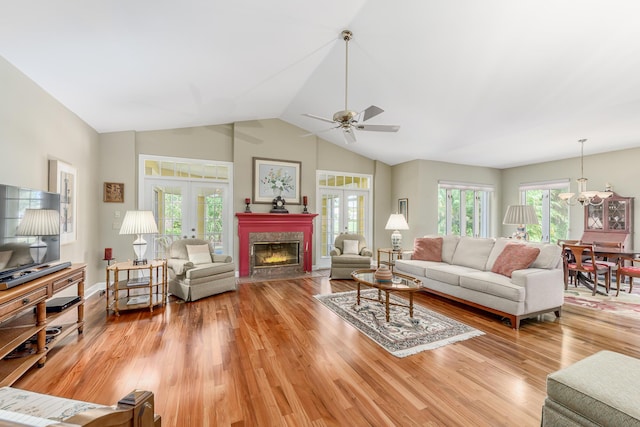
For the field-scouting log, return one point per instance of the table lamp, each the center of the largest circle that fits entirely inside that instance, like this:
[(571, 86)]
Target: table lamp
[(396, 222), (139, 223), (39, 222), (520, 215)]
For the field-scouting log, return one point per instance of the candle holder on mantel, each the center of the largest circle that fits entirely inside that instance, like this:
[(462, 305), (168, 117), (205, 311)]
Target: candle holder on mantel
[(248, 208), (304, 203)]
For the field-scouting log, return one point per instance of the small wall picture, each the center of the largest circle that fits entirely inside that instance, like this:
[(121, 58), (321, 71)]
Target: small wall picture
[(113, 192), (403, 208)]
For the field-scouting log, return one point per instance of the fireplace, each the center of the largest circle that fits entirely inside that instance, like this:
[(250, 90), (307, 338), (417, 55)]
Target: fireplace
[(274, 254), (259, 234)]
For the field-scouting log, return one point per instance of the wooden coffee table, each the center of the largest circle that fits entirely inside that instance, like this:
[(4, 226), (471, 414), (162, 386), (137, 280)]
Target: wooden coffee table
[(402, 283)]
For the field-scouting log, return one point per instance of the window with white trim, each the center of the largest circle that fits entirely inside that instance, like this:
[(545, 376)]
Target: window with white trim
[(464, 208), (553, 212)]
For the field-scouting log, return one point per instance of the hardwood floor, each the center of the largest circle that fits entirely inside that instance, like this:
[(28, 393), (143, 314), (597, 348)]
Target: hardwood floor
[(270, 354)]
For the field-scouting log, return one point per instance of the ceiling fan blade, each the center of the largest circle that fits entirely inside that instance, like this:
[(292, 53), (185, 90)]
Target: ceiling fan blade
[(379, 128), (313, 116), (371, 112), (349, 136), (321, 131)]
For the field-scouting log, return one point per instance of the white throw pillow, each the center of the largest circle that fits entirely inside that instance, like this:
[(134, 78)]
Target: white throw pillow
[(199, 254), (4, 258), (350, 247)]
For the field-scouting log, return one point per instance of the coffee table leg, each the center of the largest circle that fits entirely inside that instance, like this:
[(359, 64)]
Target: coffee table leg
[(411, 305), (358, 295), (386, 305)]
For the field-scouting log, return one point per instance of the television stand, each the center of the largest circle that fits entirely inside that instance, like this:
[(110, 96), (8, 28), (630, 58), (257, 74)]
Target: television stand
[(25, 275)]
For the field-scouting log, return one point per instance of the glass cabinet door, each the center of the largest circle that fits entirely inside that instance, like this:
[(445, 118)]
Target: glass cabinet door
[(595, 218), (617, 215)]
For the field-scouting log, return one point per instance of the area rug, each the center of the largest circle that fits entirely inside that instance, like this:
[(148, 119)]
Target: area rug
[(624, 305), (401, 336)]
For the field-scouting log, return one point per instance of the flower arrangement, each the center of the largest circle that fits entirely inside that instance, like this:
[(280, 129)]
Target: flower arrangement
[(278, 180)]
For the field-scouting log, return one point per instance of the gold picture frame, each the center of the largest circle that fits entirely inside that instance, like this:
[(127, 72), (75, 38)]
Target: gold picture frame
[(113, 192)]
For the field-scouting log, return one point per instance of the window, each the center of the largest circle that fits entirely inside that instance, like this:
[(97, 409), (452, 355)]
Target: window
[(553, 213), (464, 208)]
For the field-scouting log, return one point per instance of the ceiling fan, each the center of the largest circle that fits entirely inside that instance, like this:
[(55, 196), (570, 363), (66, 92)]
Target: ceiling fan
[(349, 120)]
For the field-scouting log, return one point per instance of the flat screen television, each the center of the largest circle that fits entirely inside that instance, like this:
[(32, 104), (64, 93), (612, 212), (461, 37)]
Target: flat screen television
[(19, 259)]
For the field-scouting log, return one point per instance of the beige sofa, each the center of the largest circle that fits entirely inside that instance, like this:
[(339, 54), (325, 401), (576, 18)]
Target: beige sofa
[(465, 275), (191, 279)]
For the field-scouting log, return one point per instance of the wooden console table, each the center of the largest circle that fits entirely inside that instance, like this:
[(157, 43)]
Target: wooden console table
[(24, 319)]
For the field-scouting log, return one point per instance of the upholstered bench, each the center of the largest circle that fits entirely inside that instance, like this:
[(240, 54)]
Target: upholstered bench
[(600, 390), (25, 408)]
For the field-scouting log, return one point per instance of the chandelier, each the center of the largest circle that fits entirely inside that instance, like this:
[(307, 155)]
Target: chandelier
[(584, 197)]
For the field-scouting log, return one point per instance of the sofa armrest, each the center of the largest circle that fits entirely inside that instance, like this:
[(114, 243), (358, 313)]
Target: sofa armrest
[(366, 252), (221, 258), (544, 289), (179, 266), (335, 252)]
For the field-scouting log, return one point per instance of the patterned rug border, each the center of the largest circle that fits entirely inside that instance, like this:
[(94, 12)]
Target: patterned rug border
[(625, 304), (398, 346)]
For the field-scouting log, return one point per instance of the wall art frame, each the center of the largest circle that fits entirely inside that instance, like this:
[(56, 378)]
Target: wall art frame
[(63, 179), (403, 208), (113, 192), (273, 178)]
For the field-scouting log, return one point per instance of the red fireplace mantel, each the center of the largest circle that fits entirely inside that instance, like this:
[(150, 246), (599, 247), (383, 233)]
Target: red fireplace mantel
[(272, 223)]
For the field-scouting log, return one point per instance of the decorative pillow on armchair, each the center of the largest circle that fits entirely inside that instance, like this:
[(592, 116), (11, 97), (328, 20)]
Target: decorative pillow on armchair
[(427, 248), (350, 247), (199, 254), (514, 256)]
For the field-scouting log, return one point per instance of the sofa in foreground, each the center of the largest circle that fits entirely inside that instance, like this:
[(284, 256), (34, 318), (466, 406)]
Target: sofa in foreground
[(511, 278)]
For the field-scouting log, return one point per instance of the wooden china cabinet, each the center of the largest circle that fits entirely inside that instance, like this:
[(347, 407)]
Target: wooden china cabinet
[(612, 221)]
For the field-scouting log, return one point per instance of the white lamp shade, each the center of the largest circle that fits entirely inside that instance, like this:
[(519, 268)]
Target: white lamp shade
[(520, 214), (396, 222), (39, 222), (139, 222)]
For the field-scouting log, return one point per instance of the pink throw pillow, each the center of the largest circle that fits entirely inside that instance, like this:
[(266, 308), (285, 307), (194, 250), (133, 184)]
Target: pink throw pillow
[(513, 257), (427, 249)]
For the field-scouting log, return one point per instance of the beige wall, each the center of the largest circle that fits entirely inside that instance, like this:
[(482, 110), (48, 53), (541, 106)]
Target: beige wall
[(618, 168), (35, 128), (417, 181)]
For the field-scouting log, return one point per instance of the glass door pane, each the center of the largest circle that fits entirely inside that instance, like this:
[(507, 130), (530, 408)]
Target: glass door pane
[(330, 220)]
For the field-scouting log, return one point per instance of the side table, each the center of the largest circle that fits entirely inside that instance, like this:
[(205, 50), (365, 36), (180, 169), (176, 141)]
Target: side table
[(391, 256), (145, 289)]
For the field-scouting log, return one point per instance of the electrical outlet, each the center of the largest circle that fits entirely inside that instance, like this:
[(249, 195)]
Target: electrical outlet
[(116, 214)]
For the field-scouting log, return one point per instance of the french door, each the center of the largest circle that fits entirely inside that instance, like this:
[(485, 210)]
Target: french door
[(189, 209), (341, 211)]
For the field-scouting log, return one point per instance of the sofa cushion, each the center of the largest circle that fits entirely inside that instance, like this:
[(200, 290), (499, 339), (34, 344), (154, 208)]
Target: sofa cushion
[(199, 254), (350, 260), (550, 255), (498, 246), (492, 284), (447, 273), (473, 252), (514, 256), (415, 267), (206, 270), (350, 247), (427, 249), (449, 244)]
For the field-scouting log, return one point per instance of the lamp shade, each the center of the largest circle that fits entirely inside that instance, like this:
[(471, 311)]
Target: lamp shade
[(139, 222), (39, 222), (520, 214), (396, 222)]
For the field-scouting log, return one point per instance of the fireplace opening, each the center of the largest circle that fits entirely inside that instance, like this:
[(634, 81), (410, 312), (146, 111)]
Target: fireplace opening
[(276, 254)]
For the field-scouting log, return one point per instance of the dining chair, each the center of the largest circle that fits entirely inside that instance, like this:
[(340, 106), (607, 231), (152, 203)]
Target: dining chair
[(627, 267), (568, 277), (581, 259)]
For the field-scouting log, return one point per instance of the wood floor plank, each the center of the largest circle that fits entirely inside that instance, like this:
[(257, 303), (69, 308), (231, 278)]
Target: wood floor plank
[(271, 354)]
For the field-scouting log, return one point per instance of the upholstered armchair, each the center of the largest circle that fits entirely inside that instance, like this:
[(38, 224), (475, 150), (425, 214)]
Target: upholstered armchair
[(349, 253), (195, 272)]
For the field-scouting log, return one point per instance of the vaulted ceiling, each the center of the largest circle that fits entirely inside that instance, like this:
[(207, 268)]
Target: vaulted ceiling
[(495, 83)]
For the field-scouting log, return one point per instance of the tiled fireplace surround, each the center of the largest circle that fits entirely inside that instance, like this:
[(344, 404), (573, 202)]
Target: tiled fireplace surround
[(267, 227)]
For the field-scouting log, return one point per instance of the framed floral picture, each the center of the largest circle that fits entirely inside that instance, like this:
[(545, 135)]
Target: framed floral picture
[(273, 178)]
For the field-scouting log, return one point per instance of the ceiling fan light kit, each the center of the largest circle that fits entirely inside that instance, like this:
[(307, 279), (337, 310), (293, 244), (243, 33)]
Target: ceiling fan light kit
[(350, 120)]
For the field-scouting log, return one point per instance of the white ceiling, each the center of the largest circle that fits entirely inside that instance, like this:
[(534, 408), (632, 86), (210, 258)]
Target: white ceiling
[(490, 83)]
